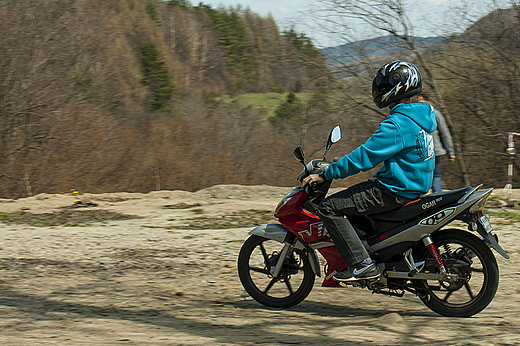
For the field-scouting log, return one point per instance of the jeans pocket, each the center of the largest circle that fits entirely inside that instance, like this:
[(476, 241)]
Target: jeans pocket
[(369, 201), (360, 200)]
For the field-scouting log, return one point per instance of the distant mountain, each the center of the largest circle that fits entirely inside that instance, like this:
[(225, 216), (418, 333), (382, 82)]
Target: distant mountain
[(500, 27), (379, 46), (495, 23)]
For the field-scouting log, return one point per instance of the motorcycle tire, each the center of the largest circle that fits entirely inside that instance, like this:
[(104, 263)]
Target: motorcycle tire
[(255, 259), (460, 299)]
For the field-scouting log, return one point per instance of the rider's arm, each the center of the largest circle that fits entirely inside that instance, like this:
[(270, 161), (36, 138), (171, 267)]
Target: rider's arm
[(383, 144)]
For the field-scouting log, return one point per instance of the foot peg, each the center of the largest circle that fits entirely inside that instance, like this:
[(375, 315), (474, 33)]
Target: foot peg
[(415, 267)]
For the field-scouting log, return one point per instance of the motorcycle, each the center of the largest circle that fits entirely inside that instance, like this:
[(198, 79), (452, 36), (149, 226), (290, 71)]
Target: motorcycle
[(452, 271)]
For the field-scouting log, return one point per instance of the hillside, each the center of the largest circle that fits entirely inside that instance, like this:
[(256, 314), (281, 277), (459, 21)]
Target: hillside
[(126, 95), (142, 95), (498, 26)]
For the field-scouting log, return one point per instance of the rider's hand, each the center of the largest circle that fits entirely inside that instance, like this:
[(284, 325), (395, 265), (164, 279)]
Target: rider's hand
[(313, 178)]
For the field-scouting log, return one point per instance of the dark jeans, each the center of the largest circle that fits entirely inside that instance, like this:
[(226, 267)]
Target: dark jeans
[(437, 180), (366, 198)]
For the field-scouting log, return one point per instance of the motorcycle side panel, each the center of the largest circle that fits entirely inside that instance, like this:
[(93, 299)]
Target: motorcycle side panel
[(422, 227)]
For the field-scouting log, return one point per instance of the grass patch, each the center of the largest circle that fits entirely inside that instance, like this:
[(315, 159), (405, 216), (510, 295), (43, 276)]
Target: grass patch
[(510, 217), (63, 218), (265, 102)]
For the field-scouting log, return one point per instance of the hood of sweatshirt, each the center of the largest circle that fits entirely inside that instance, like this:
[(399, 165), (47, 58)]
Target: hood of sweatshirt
[(422, 113)]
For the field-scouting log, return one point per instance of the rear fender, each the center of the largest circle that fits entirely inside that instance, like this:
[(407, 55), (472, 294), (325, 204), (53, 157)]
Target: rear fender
[(278, 232)]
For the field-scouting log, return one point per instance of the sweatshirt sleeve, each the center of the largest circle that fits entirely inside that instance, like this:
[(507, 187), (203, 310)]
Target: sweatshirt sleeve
[(383, 144), (444, 133)]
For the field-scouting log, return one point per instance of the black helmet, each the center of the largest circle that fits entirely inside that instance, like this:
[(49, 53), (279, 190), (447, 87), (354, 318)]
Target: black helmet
[(395, 81)]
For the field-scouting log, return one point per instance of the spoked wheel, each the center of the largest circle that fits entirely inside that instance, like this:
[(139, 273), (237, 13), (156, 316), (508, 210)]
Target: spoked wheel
[(292, 286), (476, 268)]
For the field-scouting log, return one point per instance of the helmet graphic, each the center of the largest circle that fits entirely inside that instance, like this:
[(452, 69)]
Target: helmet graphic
[(395, 81)]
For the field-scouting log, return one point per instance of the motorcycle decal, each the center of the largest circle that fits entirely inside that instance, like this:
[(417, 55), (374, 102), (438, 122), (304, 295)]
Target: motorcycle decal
[(334, 272), (316, 230), (307, 232), (320, 229), (437, 218), (430, 204), (378, 239)]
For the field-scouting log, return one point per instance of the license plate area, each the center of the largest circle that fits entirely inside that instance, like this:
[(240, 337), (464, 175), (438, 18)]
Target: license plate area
[(484, 221)]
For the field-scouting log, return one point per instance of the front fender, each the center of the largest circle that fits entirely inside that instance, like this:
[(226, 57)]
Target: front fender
[(278, 232), (273, 231)]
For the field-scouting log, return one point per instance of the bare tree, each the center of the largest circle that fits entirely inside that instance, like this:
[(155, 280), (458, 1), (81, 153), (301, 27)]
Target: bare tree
[(388, 17)]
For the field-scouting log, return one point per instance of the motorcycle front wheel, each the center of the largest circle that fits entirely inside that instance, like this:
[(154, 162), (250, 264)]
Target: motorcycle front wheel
[(479, 275), (255, 260)]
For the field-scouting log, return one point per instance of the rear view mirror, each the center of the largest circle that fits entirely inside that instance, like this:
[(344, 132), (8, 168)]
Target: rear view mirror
[(335, 134), (298, 153), (334, 137)]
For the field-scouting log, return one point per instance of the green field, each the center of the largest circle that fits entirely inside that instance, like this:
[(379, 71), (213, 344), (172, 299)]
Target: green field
[(266, 102)]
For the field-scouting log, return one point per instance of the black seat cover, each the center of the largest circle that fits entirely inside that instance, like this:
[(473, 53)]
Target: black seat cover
[(423, 205)]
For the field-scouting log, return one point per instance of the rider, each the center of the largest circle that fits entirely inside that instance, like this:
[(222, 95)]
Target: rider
[(404, 143)]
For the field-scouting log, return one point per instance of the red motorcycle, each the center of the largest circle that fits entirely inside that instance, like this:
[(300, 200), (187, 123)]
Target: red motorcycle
[(452, 271)]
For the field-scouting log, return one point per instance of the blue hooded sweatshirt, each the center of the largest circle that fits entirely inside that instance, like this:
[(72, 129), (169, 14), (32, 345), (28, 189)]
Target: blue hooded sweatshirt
[(404, 143)]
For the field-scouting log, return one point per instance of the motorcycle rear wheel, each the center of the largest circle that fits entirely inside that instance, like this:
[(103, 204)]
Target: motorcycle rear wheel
[(294, 283), (467, 296)]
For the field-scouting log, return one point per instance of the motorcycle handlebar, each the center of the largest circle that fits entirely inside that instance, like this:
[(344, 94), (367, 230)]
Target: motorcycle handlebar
[(310, 189)]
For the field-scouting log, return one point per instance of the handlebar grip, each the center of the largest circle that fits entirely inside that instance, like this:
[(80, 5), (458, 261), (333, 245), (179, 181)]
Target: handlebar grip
[(311, 188)]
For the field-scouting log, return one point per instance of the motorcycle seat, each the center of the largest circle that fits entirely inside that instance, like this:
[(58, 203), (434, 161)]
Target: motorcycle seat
[(423, 205)]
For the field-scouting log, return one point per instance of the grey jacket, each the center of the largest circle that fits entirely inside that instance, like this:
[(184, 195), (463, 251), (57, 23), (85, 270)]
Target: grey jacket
[(441, 137)]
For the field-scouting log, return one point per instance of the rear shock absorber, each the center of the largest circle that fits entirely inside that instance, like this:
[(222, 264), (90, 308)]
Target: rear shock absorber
[(435, 253)]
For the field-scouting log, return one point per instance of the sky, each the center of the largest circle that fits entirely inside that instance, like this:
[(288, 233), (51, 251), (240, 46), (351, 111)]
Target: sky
[(428, 17)]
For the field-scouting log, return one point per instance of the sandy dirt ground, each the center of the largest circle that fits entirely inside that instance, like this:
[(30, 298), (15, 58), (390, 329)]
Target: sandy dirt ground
[(145, 282)]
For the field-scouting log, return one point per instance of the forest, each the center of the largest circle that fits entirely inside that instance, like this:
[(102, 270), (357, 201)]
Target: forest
[(142, 95)]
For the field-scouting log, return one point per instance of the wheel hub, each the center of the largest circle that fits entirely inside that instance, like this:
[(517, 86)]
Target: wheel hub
[(463, 275)]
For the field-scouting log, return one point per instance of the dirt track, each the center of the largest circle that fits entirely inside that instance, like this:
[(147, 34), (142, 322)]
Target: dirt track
[(145, 282)]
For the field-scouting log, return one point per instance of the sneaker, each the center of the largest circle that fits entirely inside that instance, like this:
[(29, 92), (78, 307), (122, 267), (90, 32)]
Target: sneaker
[(360, 271)]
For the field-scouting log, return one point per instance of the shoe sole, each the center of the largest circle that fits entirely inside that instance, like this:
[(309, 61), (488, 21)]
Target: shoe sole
[(356, 279)]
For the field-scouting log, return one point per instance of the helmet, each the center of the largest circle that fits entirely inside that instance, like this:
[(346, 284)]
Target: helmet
[(395, 81)]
